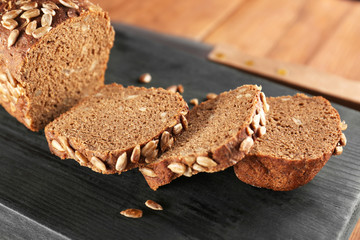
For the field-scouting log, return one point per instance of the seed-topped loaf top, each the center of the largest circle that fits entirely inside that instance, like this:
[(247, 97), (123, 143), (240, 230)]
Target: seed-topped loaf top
[(302, 134), (116, 120), (218, 135)]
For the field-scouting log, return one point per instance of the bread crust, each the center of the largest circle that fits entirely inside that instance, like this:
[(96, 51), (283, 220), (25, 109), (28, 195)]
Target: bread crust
[(285, 174), (14, 58)]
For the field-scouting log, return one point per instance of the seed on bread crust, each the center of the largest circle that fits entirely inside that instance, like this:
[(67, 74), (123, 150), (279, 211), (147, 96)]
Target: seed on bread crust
[(31, 27), (69, 4), (246, 145), (188, 172), (194, 101), (121, 162), (14, 34), (30, 14), (11, 14), (29, 6), (210, 96), (177, 128), (177, 168), (9, 24), (48, 11), (135, 155), (57, 145), (249, 131), (261, 131), (38, 33), (153, 205), (190, 160), (132, 213), (98, 163), (206, 162), (50, 5), (262, 118), (165, 141), (148, 172), (149, 148), (180, 88), (338, 150), (198, 168), (255, 122), (70, 151), (343, 125), (343, 140), (172, 88), (184, 122), (80, 157)]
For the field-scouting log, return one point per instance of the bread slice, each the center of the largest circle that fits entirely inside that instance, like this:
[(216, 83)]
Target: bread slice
[(52, 53), (220, 132), (302, 134), (118, 128)]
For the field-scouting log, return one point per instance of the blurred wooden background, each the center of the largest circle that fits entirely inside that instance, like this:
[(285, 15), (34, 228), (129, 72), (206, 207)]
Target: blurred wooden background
[(322, 34)]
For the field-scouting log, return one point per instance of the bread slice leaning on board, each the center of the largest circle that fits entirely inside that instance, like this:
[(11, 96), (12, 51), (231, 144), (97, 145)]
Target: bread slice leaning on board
[(118, 128), (52, 53), (220, 132), (302, 134)]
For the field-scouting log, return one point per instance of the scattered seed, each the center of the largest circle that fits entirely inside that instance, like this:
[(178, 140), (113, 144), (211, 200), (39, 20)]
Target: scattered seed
[(57, 145), (206, 162), (31, 27), (132, 213), (121, 162), (148, 172), (9, 24), (11, 14), (80, 157), (149, 148), (172, 88), (177, 168), (261, 131), (338, 150), (38, 33), (145, 78), (46, 20), (153, 205), (184, 122), (246, 145), (50, 5), (211, 96), (98, 163), (29, 6), (194, 101), (48, 11), (135, 155), (68, 3), (30, 14), (343, 140), (177, 128)]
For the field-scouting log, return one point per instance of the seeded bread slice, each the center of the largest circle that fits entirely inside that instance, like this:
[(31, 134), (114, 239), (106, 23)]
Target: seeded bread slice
[(118, 128), (52, 53), (302, 134), (220, 132)]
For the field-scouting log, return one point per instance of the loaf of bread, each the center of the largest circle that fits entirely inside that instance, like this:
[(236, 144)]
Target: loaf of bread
[(52, 53), (302, 134), (118, 128), (220, 132)]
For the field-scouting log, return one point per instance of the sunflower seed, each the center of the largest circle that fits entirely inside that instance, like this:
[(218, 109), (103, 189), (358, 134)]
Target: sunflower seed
[(343, 126), (4, 98), (10, 78), (148, 172), (198, 168), (11, 14), (70, 151), (145, 78), (135, 155), (343, 140), (246, 145), (297, 121), (28, 121), (177, 129), (69, 3), (9, 24), (165, 141), (261, 131), (132, 213), (31, 27), (188, 172), (249, 131), (177, 168), (266, 107), (98, 163), (153, 205), (262, 118), (262, 97), (81, 158), (255, 122), (30, 14), (50, 5), (38, 33), (29, 6), (12, 107), (14, 34), (184, 122), (46, 20), (211, 96), (48, 11), (338, 150), (190, 160), (3, 77), (57, 145), (172, 88), (149, 148), (194, 101), (206, 162), (21, 2), (121, 162)]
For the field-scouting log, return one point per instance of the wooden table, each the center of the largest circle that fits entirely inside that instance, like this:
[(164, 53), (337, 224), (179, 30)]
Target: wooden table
[(321, 34)]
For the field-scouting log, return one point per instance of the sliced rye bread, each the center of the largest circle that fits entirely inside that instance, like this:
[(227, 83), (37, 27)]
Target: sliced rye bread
[(302, 134), (220, 132), (118, 128)]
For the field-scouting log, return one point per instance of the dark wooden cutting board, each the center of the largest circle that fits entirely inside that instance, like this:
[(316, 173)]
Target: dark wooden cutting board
[(43, 197)]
